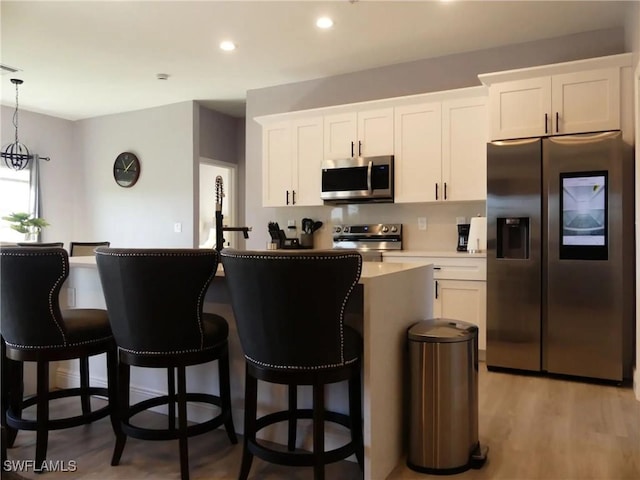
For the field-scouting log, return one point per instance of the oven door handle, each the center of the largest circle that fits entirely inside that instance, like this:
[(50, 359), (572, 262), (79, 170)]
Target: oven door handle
[(369, 170)]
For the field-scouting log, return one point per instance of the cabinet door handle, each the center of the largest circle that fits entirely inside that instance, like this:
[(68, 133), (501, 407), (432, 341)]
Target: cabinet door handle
[(445, 190), (436, 191), (359, 148), (293, 197), (436, 289), (351, 149), (287, 197), (557, 120), (546, 122)]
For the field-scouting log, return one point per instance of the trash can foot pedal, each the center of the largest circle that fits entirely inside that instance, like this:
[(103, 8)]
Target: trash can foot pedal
[(478, 457)]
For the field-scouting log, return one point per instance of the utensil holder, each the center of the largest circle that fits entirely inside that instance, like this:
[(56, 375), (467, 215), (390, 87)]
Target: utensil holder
[(306, 240)]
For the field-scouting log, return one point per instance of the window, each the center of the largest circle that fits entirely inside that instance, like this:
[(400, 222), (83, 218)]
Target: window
[(14, 197)]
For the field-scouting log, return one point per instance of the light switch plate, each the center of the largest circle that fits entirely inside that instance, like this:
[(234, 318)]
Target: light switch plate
[(422, 223), (177, 227)]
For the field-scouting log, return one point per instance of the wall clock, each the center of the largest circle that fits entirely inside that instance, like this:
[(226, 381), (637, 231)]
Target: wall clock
[(126, 169)]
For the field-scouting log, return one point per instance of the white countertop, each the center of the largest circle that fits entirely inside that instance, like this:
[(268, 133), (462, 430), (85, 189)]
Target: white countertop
[(433, 253), (369, 269)]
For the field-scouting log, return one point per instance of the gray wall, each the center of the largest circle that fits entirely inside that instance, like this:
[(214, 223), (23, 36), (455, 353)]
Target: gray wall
[(218, 136), (444, 73), (164, 139), (55, 138)]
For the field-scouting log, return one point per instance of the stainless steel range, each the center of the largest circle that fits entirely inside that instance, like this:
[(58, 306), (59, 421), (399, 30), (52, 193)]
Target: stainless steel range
[(369, 240)]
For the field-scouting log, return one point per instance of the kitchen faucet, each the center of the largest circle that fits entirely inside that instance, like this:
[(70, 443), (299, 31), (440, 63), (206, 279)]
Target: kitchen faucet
[(219, 228)]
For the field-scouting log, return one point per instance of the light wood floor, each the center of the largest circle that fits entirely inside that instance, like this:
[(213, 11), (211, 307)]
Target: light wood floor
[(535, 428)]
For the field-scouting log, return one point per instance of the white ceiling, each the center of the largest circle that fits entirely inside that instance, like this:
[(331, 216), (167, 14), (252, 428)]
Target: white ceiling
[(82, 59)]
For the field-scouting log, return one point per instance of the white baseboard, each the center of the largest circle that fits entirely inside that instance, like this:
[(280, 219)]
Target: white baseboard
[(636, 381)]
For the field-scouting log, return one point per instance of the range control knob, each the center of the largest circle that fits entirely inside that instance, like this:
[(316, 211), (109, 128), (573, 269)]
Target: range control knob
[(394, 229), (346, 229), (385, 229), (337, 229)]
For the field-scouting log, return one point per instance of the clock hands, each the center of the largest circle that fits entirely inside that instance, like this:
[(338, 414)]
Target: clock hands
[(128, 166)]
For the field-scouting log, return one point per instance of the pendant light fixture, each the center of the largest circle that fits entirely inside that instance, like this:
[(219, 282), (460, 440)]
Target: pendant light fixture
[(16, 155)]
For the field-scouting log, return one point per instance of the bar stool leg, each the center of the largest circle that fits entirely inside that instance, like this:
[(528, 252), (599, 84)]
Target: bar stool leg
[(171, 393), (182, 423), (112, 388), (250, 412), (85, 399), (42, 412), (318, 432), (122, 408), (225, 396), (293, 406)]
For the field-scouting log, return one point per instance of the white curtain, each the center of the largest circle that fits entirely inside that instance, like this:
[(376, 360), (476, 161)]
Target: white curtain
[(35, 198)]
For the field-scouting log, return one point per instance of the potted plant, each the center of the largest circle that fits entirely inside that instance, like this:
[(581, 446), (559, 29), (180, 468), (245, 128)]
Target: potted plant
[(27, 224)]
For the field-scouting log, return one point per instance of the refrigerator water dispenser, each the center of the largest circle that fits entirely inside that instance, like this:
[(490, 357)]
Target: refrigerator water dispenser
[(513, 238)]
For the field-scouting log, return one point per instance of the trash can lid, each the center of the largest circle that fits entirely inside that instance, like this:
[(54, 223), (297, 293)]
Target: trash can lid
[(442, 330)]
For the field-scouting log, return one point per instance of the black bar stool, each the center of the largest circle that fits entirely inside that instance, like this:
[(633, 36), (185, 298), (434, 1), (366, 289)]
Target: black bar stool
[(154, 299), (34, 329), (289, 309)]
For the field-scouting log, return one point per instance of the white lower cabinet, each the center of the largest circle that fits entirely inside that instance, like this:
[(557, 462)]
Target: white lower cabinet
[(463, 300), (459, 288)]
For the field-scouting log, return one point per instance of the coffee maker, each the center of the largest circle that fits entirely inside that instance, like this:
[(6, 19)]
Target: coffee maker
[(463, 237)]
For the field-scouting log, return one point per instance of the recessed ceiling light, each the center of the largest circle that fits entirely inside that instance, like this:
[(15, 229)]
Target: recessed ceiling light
[(324, 22), (227, 45)]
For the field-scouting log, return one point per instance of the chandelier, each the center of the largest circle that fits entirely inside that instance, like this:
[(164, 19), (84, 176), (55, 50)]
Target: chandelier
[(16, 155)]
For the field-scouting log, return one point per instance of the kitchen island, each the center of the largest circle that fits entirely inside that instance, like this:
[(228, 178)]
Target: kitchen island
[(389, 298)]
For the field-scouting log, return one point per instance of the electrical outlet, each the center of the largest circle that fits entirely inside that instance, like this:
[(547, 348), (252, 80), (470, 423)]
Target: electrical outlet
[(291, 223), (422, 223), (177, 227)]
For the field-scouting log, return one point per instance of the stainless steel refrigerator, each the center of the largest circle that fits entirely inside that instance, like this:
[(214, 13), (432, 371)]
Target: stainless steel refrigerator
[(560, 255)]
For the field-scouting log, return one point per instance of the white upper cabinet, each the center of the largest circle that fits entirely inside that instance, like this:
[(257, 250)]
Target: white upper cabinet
[(440, 150), (291, 161), (572, 97), (570, 103), (365, 133), (307, 139), (276, 163), (418, 152), (586, 101), (465, 133), (520, 108)]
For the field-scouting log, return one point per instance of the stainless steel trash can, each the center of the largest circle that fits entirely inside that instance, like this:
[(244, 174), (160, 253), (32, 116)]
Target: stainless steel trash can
[(443, 369)]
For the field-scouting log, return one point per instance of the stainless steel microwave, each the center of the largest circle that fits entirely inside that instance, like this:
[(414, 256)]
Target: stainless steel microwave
[(358, 180)]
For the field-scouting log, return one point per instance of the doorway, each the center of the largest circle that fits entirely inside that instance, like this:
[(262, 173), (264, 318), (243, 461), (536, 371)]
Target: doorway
[(209, 170)]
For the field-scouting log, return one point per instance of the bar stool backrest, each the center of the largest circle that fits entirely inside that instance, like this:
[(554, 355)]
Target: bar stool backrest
[(31, 279), (289, 307)]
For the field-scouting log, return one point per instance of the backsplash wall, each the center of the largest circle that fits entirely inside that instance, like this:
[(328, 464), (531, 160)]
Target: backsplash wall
[(440, 235)]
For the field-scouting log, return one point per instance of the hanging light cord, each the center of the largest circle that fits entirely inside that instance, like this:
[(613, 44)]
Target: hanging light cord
[(15, 114)]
